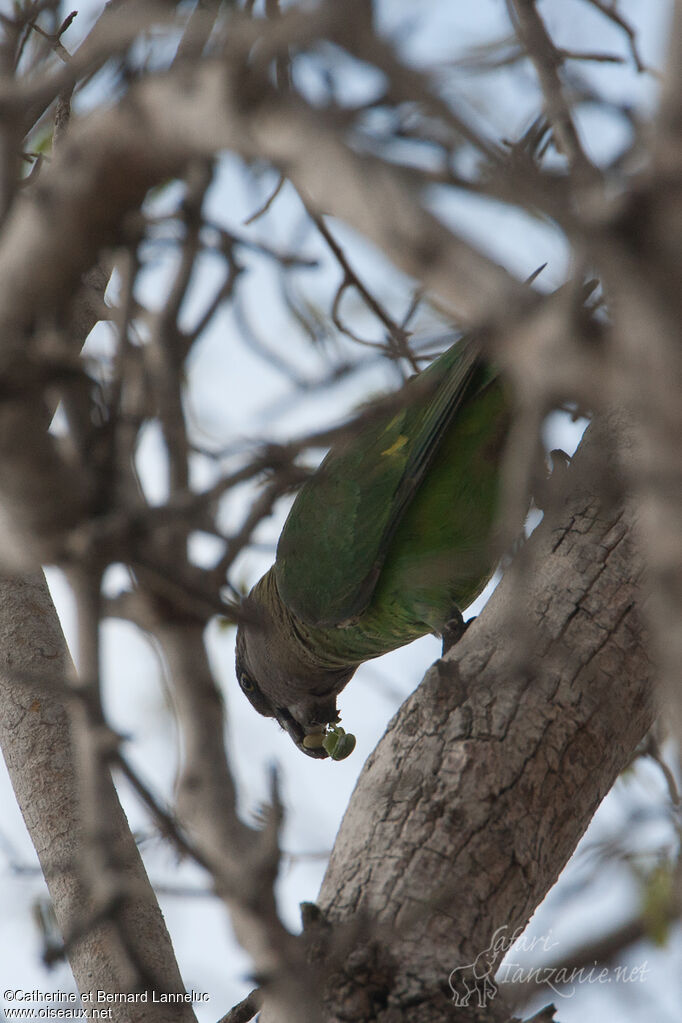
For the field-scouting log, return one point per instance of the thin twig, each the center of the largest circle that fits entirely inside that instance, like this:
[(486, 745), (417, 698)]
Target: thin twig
[(398, 337), (167, 824), (268, 202), (609, 10), (245, 1010), (653, 750)]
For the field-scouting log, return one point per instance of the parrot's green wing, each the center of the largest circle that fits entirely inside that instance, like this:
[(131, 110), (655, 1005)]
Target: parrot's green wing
[(334, 542)]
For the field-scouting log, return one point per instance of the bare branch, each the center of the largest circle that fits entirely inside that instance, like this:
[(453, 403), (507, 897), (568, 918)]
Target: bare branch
[(38, 748), (610, 11), (397, 336), (246, 1009), (243, 862), (547, 60)]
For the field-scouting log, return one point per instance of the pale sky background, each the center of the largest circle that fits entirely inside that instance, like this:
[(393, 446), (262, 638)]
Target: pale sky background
[(230, 388)]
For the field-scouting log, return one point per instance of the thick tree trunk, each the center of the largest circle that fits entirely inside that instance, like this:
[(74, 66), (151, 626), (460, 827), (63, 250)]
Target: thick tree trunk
[(489, 774)]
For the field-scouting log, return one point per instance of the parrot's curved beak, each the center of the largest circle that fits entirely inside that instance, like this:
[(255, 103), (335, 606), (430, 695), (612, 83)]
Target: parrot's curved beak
[(298, 733)]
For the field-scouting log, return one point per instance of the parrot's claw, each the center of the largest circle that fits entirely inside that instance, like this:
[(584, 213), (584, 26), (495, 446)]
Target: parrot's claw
[(545, 489), (454, 630)]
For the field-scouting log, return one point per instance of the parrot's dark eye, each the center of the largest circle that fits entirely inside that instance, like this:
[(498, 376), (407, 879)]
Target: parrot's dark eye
[(246, 683)]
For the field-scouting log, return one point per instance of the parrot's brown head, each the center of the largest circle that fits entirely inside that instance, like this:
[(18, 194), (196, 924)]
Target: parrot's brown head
[(280, 675)]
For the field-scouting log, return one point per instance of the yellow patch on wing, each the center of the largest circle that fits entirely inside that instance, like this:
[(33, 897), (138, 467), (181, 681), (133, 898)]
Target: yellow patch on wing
[(397, 444)]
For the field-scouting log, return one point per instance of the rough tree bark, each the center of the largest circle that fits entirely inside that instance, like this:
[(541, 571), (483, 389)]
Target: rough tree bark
[(490, 772), (35, 738)]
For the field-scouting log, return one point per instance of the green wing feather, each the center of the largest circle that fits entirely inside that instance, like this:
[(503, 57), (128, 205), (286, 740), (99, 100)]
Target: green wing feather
[(334, 541)]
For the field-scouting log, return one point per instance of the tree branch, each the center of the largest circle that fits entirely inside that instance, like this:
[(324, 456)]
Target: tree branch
[(490, 772), (131, 947)]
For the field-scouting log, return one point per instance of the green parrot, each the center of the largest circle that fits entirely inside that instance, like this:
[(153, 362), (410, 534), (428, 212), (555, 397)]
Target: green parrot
[(386, 542)]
